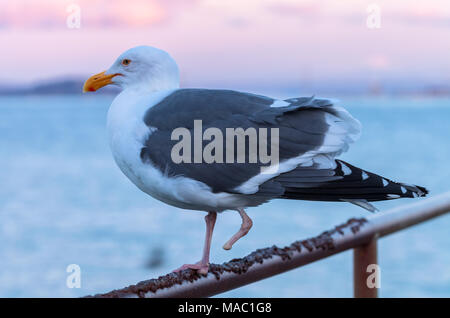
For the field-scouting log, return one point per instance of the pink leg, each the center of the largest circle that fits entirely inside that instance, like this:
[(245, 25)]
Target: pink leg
[(245, 227), (203, 265)]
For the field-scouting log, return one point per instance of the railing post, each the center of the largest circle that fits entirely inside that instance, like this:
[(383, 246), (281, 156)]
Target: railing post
[(365, 270)]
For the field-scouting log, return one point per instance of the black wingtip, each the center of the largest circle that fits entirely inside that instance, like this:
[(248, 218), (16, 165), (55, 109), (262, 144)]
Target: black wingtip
[(423, 191), (416, 190)]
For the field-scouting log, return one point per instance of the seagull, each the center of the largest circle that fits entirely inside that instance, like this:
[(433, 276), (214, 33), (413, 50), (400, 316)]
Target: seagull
[(174, 144)]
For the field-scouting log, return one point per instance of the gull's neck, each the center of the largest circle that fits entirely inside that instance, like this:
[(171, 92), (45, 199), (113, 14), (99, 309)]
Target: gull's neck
[(151, 86), (128, 109), (144, 95), (127, 99)]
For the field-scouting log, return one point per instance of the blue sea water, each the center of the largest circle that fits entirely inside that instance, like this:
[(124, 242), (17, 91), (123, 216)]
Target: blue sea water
[(63, 201)]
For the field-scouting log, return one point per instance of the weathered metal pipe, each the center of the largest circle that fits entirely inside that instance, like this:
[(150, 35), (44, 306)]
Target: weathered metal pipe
[(272, 261)]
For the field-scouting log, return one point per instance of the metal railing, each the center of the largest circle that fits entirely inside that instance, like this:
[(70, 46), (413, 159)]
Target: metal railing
[(358, 234)]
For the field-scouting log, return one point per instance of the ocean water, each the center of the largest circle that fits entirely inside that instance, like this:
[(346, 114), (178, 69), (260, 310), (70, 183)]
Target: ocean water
[(63, 201)]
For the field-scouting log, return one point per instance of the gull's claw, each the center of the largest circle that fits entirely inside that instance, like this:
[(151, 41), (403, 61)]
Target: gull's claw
[(201, 268)]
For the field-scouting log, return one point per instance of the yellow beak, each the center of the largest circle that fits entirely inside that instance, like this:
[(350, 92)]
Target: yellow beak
[(97, 81)]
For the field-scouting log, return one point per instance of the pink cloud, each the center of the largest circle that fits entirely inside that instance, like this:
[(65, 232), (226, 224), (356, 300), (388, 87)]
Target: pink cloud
[(378, 62), (94, 13), (303, 10), (141, 13), (227, 41)]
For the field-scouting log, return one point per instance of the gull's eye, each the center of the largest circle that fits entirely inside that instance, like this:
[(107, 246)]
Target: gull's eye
[(126, 62)]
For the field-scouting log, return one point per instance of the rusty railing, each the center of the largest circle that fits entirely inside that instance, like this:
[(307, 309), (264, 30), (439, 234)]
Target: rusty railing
[(358, 234)]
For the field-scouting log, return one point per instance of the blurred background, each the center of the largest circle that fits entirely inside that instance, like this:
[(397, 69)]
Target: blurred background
[(63, 201)]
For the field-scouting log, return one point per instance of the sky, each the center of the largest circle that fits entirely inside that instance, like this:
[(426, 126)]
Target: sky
[(224, 42)]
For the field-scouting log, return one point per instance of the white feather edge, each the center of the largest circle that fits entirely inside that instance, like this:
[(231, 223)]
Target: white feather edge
[(343, 130)]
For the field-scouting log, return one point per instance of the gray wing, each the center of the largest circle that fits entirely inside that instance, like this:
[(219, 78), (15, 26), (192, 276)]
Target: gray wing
[(311, 132)]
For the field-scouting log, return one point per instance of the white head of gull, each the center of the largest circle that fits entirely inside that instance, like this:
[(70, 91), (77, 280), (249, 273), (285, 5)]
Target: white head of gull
[(142, 68), (312, 132)]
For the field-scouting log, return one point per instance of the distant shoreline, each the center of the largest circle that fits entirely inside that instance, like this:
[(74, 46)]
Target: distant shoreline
[(74, 87)]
